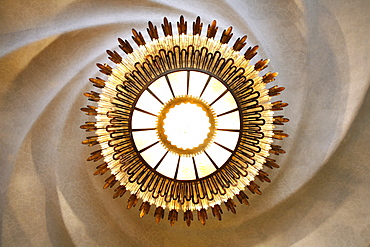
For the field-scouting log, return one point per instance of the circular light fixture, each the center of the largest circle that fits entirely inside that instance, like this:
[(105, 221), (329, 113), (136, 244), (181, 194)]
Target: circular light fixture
[(184, 122)]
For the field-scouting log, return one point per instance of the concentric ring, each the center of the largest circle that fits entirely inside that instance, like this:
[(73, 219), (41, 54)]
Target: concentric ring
[(161, 130), (130, 130)]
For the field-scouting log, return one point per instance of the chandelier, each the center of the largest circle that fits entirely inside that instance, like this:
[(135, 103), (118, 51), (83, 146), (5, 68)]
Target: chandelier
[(184, 122)]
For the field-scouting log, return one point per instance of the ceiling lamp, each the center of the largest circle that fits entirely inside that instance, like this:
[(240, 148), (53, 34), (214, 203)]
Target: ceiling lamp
[(184, 122)]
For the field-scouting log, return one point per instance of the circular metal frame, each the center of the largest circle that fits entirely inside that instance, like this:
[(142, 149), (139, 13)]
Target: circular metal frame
[(248, 83), (133, 76)]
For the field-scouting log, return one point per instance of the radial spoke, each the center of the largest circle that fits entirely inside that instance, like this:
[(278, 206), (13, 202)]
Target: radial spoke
[(160, 161), (169, 85), (230, 130), (177, 167), (213, 163), (219, 97), (143, 129), (145, 111), (195, 168), (228, 149), (231, 111), (209, 78), (155, 96), (146, 148), (187, 82)]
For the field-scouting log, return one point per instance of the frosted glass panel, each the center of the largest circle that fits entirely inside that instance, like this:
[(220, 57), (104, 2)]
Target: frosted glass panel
[(204, 165), (186, 169), (178, 82), (168, 165), (161, 89), (143, 139), (229, 121), (218, 154), (153, 154), (148, 103), (197, 82), (224, 104), (143, 120), (227, 139), (214, 89)]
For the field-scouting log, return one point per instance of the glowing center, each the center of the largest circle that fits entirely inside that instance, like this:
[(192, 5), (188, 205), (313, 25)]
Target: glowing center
[(186, 125)]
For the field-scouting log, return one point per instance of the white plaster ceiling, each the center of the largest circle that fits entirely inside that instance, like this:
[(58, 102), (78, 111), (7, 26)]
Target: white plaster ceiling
[(319, 196)]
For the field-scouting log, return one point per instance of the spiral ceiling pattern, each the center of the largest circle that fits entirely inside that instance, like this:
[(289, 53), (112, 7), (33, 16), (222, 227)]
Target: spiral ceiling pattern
[(319, 195)]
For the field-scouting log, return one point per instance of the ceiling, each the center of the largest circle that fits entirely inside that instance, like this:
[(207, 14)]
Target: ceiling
[(319, 196)]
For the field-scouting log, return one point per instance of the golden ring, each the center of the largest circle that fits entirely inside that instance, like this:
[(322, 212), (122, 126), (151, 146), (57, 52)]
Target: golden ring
[(189, 152)]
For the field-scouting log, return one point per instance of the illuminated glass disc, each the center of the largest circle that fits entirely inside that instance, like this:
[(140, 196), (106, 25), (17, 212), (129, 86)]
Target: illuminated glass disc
[(186, 125)]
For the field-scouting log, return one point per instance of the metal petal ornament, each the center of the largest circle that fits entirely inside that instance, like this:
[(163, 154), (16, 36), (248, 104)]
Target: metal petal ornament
[(155, 79)]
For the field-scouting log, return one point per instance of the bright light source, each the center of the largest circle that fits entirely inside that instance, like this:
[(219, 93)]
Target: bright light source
[(186, 125)]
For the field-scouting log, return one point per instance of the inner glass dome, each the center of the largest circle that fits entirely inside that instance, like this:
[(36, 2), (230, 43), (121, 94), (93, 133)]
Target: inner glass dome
[(185, 125)]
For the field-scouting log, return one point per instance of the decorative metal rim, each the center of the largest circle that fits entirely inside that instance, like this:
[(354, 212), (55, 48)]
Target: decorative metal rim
[(162, 116), (184, 52)]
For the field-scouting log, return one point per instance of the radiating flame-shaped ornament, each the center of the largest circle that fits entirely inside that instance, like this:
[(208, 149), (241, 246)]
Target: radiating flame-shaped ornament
[(175, 69)]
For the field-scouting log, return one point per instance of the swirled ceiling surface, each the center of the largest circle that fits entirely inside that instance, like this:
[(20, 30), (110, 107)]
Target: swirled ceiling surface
[(319, 196)]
